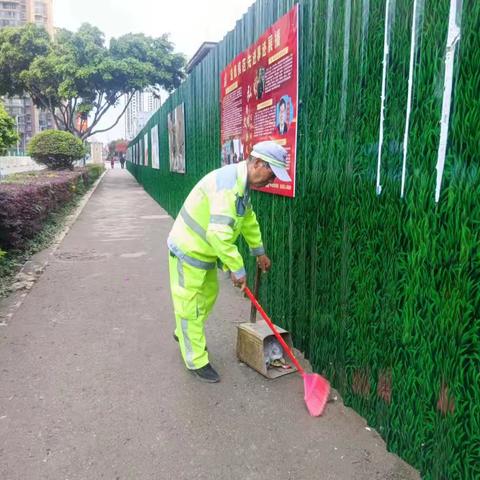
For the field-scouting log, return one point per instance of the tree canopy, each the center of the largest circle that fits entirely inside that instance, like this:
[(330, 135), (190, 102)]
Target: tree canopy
[(76, 75), (117, 146), (8, 135)]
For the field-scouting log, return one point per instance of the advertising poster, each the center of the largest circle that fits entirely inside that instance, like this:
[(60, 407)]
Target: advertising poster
[(176, 139), (145, 149), (259, 98), (155, 150)]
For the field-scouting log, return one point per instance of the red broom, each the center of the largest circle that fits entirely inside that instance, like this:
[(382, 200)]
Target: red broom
[(316, 387)]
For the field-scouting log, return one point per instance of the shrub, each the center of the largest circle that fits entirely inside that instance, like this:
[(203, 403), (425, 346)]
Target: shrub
[(28, 201), (95, 170), (56, 149)]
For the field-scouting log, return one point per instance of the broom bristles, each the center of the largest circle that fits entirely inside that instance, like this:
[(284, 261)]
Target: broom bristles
[(317, 390)]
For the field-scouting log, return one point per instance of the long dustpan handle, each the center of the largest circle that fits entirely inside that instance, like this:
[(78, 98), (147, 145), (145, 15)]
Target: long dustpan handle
[(274, 330), (256, 288)]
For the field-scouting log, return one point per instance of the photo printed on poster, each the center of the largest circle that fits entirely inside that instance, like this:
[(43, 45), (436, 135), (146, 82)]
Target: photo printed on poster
[(155, 150), (176, 139), (145, 149)]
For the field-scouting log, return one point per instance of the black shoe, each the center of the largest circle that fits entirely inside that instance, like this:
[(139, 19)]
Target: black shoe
[(207, 374), (176, 339)]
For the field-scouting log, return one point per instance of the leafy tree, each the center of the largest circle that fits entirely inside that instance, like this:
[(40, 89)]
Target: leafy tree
[(56, 149), (8, 134), (117, 146), (75, 75)]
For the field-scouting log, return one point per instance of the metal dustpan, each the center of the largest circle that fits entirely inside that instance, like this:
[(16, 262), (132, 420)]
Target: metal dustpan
[(316, 387), (251, 340)]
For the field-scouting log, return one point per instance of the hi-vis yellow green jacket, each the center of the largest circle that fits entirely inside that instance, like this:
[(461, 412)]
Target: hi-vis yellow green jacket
[(215, 213)]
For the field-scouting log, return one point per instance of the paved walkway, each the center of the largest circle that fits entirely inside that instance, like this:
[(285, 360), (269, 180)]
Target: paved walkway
[(93, 387)]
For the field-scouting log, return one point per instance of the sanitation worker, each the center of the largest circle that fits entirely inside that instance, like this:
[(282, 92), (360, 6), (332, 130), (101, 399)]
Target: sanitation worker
[(215, 213)]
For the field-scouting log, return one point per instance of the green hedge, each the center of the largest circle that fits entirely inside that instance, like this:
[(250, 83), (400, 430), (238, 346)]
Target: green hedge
[(382, 293), (29, 199)]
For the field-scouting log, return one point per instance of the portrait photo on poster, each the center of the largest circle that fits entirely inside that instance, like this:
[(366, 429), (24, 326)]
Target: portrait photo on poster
[(284, 115), (176, 139), (259, 83)]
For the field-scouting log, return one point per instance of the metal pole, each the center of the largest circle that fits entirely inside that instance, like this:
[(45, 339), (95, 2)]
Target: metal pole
[(18, 137)]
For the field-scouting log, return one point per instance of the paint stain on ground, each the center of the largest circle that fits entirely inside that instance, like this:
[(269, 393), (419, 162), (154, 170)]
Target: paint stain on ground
[(133, 255)]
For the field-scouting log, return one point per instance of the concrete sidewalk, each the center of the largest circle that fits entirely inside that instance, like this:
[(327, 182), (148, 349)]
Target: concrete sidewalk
[(93, 386)]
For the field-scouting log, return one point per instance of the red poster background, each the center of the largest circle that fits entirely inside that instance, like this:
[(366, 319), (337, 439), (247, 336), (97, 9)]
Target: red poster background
[(259, 98)]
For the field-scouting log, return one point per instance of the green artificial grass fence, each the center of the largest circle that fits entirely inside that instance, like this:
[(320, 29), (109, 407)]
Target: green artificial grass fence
[(382, 293)]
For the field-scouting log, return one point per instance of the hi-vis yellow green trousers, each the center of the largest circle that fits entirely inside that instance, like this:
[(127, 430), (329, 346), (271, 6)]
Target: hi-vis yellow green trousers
[(194, 292)]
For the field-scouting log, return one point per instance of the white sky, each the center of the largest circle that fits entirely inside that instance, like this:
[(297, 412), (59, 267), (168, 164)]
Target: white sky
[(189, 23)]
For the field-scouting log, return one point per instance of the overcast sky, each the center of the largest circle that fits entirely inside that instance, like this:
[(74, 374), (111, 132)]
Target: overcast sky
[(189, 23)]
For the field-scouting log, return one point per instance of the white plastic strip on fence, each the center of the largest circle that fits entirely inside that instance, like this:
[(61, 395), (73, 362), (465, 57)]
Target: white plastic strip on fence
[(417, 12), (328, 39), (346, 55), (386, 48), (453, 37)]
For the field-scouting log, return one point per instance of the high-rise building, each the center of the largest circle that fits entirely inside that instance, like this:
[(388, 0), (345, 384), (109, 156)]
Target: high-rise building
[(131, 115), (13, 13), (41, 13), (141, 108), (29, 119), (18, 12), (152, 103)]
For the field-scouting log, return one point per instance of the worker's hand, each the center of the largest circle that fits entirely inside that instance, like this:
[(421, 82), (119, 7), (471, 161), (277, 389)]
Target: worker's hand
[(264, 263), (241, 282)]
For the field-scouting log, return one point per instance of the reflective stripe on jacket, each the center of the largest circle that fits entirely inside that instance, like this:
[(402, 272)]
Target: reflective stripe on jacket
[(215, 213)]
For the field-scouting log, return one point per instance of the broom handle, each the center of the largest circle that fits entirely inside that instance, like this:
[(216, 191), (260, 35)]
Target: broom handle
[(274, 330), (256, 288)]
